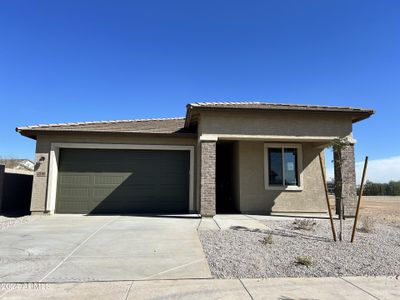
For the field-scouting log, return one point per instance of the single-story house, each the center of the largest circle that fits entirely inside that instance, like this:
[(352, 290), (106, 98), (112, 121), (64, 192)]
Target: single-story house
[(245, 157)]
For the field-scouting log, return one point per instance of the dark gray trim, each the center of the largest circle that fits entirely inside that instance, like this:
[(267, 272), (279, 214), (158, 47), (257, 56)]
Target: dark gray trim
[(36, 132)]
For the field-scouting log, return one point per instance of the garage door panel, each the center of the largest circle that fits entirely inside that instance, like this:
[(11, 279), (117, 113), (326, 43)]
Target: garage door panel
[(172, 188), (106, 208), (101, 193), (174, 178), (78, 193), (139, 179), (134, 192), (109, 179), (161, 208), (74, 179), (73, 207), (123, 181), (73, 204)]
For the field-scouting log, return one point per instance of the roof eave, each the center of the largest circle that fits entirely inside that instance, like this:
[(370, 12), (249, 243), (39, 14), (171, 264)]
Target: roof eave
[(34, 133), (365, 115), (359, 114)]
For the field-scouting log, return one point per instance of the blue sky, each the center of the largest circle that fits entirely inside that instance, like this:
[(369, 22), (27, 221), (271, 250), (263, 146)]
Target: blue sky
[(64, 61)]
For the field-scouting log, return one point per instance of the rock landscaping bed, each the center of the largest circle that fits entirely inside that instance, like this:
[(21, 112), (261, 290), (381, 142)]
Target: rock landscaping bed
[(295, 248), (7, 221)]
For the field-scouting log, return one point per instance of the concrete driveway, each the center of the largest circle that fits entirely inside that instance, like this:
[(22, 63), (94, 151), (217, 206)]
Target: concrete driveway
[(67, 248)]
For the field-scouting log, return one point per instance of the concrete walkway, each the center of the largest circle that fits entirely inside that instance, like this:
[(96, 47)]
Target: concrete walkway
[(231, 221), (274, 288), (248, 222)]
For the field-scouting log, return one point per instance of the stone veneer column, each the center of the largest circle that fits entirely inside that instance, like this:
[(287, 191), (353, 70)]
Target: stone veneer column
[(345, 179), (207, 178)]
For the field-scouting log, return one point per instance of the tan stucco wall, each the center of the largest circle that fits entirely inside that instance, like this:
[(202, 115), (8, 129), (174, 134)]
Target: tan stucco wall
[(43, 145), (39, 185), (276, 123), (254, 198)]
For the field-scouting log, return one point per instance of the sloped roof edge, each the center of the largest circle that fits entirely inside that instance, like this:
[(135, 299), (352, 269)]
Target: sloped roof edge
[(42, 126), (362, 113)]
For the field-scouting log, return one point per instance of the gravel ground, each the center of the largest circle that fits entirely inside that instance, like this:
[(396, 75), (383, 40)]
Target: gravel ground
[(7, 222), (241, 253)]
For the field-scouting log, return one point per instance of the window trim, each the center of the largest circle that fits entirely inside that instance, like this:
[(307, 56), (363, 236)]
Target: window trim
[(299, 167)]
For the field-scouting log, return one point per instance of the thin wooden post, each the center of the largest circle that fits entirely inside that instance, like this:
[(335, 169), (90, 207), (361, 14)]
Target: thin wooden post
[(327, 197), (359, 199)]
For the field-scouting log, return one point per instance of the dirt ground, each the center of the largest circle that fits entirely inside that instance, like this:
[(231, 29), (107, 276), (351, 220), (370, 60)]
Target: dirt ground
[(378, 207)]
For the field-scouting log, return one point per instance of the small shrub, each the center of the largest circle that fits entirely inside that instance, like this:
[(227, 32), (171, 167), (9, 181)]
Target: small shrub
[(267, 240), (304, 224), (303, 261), (367, 224)]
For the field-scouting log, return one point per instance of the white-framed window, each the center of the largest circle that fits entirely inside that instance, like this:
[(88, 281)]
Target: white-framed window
[(283, 166)]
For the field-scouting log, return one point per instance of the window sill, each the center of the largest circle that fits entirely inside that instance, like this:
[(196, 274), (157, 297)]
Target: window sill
[(284, 188)]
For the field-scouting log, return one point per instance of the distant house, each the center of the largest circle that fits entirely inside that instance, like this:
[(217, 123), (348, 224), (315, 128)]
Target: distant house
[(16, 165), (247, 157)]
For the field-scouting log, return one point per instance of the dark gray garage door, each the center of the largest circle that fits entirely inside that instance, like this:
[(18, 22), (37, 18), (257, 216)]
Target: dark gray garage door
[(123, 181)]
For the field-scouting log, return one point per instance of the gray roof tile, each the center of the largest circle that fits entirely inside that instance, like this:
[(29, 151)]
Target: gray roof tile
[(277, 106), (155, 126), (177, 125)]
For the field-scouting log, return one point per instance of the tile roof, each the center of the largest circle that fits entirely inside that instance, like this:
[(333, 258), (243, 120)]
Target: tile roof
[(358, 114), (182, 125), (277, 106), (154, 126)]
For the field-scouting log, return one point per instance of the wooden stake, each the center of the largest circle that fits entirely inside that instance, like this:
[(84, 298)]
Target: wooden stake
[(327, 197), (359, 199)]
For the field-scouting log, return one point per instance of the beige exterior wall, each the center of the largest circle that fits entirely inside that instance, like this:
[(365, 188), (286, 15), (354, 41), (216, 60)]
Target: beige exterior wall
[(276, 123), (43, 146), (255, 198), (40, 177), (250, 194)]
